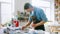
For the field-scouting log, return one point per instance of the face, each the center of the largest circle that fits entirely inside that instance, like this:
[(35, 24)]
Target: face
[(29, 10)]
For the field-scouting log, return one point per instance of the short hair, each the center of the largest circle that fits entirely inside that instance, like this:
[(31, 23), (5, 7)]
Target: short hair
[(27, 5)]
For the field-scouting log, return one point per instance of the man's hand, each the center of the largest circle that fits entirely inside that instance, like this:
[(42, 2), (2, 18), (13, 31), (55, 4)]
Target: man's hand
[(26, 25), (23, 27), (38, 24), (34, 25)]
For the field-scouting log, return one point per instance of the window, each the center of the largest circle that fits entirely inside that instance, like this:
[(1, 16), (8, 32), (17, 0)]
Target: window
[(45, 5), (40, 3), (6, 10)]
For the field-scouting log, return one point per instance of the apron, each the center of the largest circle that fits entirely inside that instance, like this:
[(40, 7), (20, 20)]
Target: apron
[(35, 21)]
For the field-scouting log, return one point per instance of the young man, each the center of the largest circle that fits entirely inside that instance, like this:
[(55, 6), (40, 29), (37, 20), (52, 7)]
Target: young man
[(40, 17)]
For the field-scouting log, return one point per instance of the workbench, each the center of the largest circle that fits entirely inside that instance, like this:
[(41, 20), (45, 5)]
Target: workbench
[(55, 29)]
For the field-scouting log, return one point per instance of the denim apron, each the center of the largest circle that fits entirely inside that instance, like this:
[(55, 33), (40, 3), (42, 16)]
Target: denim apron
[(35, 21)]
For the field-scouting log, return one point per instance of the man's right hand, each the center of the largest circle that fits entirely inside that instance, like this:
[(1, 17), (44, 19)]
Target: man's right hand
[(26, 25), (23, 27)]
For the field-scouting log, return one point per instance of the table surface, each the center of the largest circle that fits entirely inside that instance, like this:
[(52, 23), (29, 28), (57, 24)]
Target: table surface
[(55, 28), (16, 32)]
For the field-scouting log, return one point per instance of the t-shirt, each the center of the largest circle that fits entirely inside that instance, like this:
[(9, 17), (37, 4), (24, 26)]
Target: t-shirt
[(39, 13)]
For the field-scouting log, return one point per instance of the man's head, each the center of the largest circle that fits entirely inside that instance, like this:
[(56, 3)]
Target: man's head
[(28, 7)]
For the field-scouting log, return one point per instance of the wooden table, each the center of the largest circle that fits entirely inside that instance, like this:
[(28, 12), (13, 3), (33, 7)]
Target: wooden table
[(55, 29)]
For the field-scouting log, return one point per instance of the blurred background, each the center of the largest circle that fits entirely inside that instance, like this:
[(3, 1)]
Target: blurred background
[(14, 10)]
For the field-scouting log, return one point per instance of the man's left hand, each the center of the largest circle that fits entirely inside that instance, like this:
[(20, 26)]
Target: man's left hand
[(34, 25)]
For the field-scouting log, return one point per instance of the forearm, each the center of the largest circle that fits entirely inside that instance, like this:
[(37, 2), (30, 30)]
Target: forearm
[(40, 23), (28, 24)]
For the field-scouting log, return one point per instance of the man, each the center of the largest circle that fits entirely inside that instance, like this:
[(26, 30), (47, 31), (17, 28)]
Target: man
[(40, 17)]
